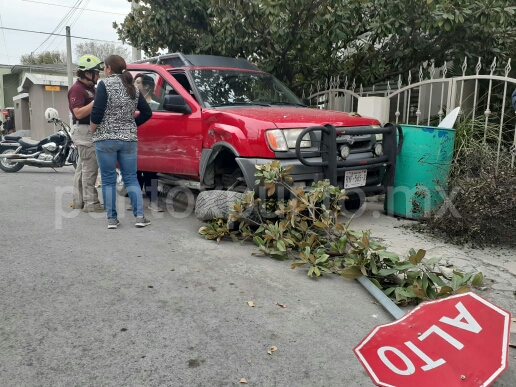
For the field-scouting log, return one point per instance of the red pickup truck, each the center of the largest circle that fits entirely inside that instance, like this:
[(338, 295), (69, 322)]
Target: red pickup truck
[(215, 118)]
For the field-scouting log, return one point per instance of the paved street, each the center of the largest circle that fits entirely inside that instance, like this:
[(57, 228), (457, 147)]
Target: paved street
[(81, 305)]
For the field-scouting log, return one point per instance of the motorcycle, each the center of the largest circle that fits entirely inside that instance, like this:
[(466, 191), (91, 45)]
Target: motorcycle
[(54, 151)]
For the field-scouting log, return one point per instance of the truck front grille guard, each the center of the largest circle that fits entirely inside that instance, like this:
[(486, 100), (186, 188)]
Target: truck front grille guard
[(329, 153)]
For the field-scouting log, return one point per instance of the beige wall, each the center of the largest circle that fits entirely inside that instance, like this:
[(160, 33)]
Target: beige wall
[(40, 100)]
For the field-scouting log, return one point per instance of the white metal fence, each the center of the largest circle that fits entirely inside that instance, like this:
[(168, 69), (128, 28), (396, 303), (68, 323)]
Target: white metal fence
[(435, 92)]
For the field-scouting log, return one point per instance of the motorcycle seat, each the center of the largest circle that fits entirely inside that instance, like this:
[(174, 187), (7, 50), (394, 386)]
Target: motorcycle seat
[(26, 143), (12, 138)]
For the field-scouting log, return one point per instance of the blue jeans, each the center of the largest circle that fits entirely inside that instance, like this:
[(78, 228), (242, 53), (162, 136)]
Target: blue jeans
[(109, 152)]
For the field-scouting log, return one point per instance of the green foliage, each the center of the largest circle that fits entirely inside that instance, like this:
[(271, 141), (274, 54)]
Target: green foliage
[(45, 57), (308, 229), (308, 40)]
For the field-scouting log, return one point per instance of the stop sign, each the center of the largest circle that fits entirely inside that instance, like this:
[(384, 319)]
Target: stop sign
[(462, 340)]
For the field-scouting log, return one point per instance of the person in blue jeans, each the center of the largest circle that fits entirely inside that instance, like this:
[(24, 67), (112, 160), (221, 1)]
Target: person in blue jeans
[(113, 125)]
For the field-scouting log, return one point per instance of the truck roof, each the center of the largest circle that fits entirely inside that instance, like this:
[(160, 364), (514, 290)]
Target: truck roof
[(180, 60)]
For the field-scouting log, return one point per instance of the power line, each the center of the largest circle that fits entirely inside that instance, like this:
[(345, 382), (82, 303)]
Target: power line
[(61, 24), (67, 6), (71, 14), (50, 33)]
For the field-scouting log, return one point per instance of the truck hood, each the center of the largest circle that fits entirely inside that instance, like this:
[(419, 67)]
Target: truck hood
[(298, 117)]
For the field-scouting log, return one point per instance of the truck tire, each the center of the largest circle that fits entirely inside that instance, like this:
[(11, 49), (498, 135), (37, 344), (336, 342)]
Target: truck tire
[(7, 165), (216, 204)]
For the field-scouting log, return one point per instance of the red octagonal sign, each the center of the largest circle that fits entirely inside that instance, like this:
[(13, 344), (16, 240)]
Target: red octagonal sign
[(462, 340)]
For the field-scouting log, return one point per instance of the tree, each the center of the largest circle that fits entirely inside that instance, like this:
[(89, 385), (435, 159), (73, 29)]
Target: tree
[(45, 57), (101, 50), (302, 41)]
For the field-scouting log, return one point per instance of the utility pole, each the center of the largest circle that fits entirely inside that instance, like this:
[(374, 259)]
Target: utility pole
[(136, 52), (69, 60)]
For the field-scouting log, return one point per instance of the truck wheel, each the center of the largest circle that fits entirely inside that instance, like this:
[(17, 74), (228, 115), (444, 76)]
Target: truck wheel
[(216, 204), (7, 165)]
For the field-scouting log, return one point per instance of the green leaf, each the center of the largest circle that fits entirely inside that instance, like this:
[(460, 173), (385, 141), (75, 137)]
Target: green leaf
[(281, 246), (463, 289), (436, 279), (477, 279), (389, 291), (279, 255), (377, 284), (351, 272), (311, 271), (258, 241), (404, 265), (386, 272), (456, 281), (445, 290), (387, 254), (374, 269)]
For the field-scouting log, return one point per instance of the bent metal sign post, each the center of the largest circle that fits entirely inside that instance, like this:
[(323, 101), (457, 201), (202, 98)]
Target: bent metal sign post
[(462, 340)]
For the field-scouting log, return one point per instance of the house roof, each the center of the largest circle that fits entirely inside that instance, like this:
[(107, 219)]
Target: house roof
[(42, 79), (56, 68)]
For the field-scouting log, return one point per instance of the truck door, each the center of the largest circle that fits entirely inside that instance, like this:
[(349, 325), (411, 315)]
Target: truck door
[(170, 142)]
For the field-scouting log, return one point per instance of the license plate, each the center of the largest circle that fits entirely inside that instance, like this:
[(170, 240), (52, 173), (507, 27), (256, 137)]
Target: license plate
[(355, 178)]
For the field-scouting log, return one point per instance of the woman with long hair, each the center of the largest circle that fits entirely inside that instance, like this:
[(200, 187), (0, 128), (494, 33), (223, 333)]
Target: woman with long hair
[(113, 125)]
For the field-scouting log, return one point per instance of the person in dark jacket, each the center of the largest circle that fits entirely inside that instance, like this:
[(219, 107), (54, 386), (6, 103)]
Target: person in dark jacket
[(113, 125), (514, 99), (8, 125)]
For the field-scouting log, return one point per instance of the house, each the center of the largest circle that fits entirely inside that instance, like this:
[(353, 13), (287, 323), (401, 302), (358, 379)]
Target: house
[(28, 90)]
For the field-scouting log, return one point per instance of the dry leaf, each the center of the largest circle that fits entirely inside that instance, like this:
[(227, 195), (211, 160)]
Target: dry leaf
[(250, 303), (282, 305), (272, 349), (243, 381)]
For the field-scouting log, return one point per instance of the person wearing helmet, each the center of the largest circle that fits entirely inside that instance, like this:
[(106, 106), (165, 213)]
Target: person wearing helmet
[(80, 101)]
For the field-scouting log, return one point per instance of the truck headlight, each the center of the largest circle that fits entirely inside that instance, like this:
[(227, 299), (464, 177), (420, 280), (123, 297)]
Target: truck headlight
[(276, 140), (291, 136), (344, 151), (378, 149)]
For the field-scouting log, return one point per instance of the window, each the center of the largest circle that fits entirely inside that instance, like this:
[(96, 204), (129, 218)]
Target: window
[(154, 88)]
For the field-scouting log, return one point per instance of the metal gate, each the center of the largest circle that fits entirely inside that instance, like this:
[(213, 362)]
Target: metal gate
[(484, 97)]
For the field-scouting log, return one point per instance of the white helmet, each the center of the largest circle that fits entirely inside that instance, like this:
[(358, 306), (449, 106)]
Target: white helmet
[(51, 114)]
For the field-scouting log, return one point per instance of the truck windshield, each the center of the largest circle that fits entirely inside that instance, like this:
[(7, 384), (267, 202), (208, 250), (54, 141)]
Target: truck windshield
[(232, 88)]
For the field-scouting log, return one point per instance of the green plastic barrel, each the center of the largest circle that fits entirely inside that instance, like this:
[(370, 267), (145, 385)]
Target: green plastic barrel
[(422, 169)]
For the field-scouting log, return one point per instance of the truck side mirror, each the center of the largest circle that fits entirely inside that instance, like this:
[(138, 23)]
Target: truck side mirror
[(176, 104)]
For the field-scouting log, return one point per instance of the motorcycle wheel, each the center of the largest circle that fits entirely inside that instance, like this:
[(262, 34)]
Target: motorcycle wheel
[(7, 165)]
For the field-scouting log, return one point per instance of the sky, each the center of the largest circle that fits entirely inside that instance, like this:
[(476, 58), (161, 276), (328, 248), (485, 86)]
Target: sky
[(94, 22)]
